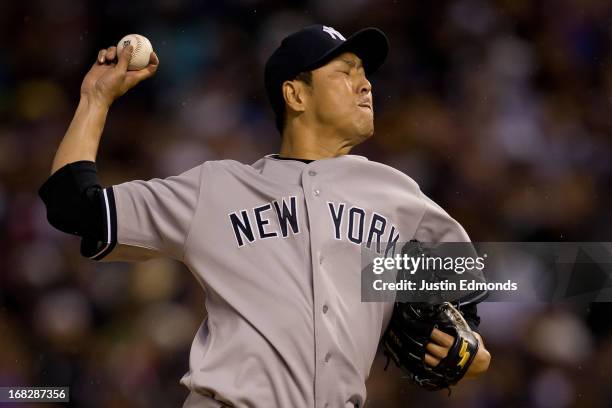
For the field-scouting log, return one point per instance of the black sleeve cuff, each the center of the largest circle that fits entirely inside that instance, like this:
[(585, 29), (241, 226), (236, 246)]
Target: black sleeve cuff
[(77, 204)]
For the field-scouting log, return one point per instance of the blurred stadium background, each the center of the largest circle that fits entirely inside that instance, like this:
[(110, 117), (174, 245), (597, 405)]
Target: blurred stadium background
[(501, 110)]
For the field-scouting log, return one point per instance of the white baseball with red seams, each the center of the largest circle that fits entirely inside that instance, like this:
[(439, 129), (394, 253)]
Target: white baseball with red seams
[(141, 53)]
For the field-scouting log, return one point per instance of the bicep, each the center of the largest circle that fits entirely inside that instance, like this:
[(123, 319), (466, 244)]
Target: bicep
[(154, 217), (132, 221)]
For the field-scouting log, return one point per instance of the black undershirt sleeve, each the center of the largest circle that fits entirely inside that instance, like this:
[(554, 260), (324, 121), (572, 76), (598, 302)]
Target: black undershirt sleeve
[(470, 313), (77, 204)]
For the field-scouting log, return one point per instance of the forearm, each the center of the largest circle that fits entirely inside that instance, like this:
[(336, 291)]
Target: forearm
[(82, 138)]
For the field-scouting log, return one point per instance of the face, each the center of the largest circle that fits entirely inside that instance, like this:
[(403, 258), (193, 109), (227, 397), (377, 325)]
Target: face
[(341, 98)]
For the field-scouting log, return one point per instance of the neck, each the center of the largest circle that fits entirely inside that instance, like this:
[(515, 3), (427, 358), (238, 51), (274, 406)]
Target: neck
[(313, 144)]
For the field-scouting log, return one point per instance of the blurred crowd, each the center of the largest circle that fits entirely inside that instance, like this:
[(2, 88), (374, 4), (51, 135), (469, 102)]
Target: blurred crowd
[(501, 111)]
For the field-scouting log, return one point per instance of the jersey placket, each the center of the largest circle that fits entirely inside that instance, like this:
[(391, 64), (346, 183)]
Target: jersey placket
[(324, 361)]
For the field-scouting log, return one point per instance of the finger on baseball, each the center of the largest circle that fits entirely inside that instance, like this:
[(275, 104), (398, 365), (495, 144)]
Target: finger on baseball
[(153, 64), (153, 60), (134, 77), (124, 58), (111, 53), (101, 56), (442, 338), (431, 360), (436, 350), (147, 71)]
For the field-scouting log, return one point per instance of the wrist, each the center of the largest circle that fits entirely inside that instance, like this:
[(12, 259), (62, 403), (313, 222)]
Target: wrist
[(97, 104)]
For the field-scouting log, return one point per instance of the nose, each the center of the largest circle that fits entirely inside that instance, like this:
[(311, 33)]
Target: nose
[(365, 87)]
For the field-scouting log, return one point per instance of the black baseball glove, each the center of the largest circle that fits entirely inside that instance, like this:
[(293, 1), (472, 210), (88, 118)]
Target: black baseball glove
[(409, 332)]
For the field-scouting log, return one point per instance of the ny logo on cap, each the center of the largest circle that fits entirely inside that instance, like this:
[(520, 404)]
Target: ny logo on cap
[(333, 33)]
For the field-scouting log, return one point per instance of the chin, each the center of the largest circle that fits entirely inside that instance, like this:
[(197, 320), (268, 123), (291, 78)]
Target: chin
[(360, 137), (366, 131), (359, 130)]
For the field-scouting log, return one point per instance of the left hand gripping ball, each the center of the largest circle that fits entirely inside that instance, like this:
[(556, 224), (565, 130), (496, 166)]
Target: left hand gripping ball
[(141, 53)]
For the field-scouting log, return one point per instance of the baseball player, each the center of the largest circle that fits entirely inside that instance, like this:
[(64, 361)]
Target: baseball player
[(275, 244)]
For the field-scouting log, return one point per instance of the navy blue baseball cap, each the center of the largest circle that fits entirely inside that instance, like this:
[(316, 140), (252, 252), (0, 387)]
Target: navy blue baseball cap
[(313, 47)]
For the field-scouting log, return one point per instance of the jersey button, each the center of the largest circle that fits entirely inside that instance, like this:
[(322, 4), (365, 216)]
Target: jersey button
[(317, 192), (325, 308), (312, 173)]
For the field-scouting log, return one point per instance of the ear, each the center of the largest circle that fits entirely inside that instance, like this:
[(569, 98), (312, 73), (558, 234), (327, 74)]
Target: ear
[(294, 93)]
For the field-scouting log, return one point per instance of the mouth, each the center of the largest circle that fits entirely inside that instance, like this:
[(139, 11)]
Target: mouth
[(366, 105)]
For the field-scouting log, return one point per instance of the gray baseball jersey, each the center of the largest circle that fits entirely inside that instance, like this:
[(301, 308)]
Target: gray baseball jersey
[(276, 247)]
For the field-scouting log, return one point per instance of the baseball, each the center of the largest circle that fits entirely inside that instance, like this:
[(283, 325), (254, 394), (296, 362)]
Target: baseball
[(142, 50)]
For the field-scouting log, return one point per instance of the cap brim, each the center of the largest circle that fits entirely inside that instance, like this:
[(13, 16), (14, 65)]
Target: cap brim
[(369, 44)]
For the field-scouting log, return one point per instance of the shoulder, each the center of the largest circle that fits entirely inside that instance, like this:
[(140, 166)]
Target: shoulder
[(388, 173), (226, 166)]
